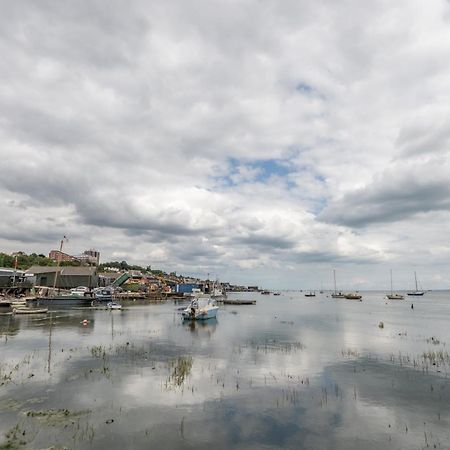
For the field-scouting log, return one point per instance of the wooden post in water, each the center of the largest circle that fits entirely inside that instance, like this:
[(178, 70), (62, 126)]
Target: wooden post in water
[(50, 344)]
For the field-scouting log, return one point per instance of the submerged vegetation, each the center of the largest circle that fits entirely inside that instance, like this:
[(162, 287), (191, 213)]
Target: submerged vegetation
[(134, 376)]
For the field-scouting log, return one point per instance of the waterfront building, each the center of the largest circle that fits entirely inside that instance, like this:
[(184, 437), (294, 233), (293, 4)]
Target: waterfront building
[(56, 255), (68, 277)]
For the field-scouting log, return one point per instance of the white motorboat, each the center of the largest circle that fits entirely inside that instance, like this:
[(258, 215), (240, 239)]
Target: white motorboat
[(114, 305), (201, 308)]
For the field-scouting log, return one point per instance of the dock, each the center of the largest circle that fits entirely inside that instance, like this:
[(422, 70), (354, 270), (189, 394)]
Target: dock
[(239, 302)]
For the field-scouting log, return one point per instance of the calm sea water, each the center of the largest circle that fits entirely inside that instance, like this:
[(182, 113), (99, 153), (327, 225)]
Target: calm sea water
[(288, 372)]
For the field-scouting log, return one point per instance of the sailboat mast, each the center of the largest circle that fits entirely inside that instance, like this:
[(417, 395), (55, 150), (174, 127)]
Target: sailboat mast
[(334, 275), (391, 282), (58, 263), (415, 277)]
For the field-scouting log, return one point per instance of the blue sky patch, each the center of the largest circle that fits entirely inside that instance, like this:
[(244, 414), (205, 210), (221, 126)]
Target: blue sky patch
[(259, 171)]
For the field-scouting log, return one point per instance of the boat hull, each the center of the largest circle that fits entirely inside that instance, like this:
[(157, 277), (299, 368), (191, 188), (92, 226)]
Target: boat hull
[(353, 297), (395, 297), (30, 311), (61, 301), (210, 313), (416, 294)]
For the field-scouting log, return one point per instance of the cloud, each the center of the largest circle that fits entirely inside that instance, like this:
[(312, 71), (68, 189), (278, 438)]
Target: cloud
[(394, 195), (248, 136)]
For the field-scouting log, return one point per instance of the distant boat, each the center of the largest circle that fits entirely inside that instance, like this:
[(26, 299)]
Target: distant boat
[(265, 292), (114, 305), (310, 294), (215, 291), (353, 296), (25, 310), (417, 292), (57, 297), (392, 295), (277, 293), (336, 294)]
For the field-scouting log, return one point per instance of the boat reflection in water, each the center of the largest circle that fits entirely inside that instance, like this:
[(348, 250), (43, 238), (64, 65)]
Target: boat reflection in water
[(202, 327)]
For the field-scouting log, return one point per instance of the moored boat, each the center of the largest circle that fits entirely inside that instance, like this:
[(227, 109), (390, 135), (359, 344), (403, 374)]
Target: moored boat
[(114, 306), (336, 294), (26, 310), (200, 308), (417, 292), (310, 294), (353, 296), (394, 295), (59, 298), (15, 304)]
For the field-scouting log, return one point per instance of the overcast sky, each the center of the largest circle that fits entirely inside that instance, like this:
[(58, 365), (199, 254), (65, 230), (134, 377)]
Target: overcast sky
[(263, 141)]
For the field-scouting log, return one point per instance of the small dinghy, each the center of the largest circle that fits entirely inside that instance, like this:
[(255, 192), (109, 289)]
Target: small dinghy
[(114, 305), (30, 311)]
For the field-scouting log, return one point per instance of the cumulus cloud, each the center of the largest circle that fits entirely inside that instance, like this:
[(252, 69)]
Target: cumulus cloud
[(249, 137), (394, 195)]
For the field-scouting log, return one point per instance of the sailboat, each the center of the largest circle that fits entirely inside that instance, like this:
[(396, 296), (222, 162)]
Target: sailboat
[(416, 292), (393, 296), (336, 294)]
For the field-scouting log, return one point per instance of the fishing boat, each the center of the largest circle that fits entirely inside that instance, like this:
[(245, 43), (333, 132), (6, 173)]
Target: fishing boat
[(217, 292), (25, 310), (353, 296), (336, 294), (310, 294), (393, 295), (200, 308), (114, 306), (417, 292)]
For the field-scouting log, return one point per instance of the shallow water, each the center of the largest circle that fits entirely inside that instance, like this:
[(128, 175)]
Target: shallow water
[(288, 372)]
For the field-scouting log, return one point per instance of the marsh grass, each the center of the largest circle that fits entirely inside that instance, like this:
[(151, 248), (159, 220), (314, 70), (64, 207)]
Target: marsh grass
[(180, 370), (273, 346)]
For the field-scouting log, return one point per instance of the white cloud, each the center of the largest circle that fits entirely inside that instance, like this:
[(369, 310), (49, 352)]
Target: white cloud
[(118, 126)]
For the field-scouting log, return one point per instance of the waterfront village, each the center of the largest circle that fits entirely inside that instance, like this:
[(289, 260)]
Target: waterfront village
[(22, 274)]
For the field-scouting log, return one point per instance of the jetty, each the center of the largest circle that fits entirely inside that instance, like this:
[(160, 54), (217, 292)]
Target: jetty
[(239, 302)]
